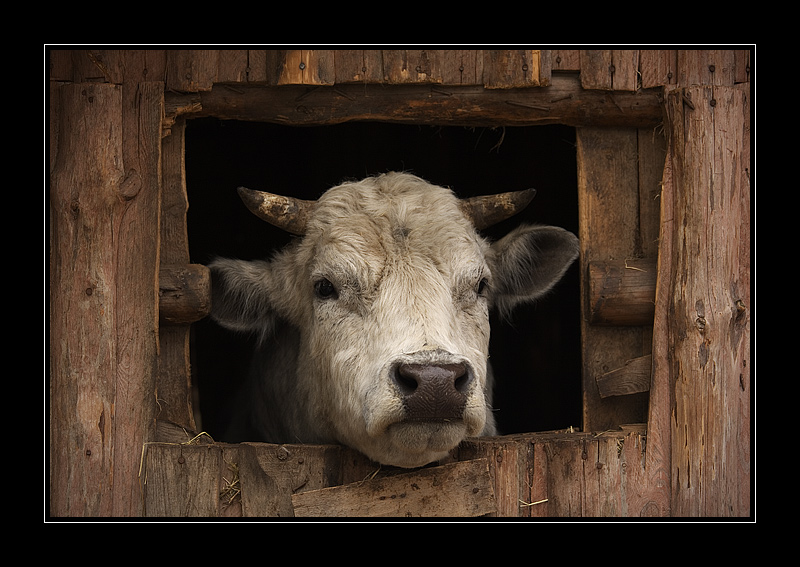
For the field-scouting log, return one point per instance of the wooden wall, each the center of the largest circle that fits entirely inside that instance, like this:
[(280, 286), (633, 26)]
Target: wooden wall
[(117, 195)]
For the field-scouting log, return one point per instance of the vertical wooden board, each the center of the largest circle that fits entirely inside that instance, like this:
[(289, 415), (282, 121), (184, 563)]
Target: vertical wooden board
[(306, 67), (536, 503), (706, 67), (604, 488), (233, 66), (174, 374), (358, 66), (742, 62), (643, 496), (411, 66), (616, 483), (595, 65), (461, 66), (652, 148), (625, 70), (284, 470), (181, 481), (60, 65), (503, 455), (608, 200), (136, 250), (616, 70), (260, 495), (658, 67), (505, 69), (191, 70), (709, 321), (83, 203), (566, 60), (257, 66), (565, 481)]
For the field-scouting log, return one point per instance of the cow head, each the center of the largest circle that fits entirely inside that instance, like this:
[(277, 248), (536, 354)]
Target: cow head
[(389, 289)]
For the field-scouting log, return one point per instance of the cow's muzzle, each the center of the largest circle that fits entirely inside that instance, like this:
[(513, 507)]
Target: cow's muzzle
[(433, 392)]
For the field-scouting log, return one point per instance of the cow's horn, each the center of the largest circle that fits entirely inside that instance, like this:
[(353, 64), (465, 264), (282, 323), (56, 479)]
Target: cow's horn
[(484, 211), (287, 213)]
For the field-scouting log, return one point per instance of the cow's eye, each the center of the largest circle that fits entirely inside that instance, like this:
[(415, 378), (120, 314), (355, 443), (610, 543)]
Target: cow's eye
[(324, 289), (482, 286)]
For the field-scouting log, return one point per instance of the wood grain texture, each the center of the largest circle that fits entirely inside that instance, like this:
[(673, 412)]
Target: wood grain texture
[(708, 325), (103, 310)]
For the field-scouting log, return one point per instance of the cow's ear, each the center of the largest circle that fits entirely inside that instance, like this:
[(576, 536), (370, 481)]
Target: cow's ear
[(528, 262), (240, 295)]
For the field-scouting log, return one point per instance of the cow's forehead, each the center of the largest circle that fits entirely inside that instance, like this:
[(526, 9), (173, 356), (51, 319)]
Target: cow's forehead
[(393, 204), (393, 214)]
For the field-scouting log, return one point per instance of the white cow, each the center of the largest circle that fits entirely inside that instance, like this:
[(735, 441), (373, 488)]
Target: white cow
[(374, 325)]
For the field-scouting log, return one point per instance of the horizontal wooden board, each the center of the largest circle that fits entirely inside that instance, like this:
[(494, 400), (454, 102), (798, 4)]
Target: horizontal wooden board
[(462, 489)]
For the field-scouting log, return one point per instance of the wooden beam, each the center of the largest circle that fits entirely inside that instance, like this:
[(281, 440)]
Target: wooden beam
[(564, 101), (184, 294), (622, 292)]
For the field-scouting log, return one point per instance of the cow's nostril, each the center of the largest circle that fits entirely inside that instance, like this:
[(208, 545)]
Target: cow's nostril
[(406, 379), (433, 391), (462, 382)]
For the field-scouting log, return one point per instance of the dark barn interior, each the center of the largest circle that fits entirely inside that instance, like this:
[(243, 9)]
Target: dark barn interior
[(535, 354)]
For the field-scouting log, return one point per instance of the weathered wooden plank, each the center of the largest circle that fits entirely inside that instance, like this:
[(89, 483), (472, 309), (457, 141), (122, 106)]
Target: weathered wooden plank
[(566, 60), (257, 66), (625, 70), (658, 67), (462, 489), (104, 188), (191, 70), (136, 253), (563, 102), (742, 62), (622, 292), (564, 478), (506, 69), (462, 66), (595, 65), (183, 298), (85, 171), (182, 481), (609, 69), (608, 192), (411, 66), (233, 66), (632, 378), (271, 474), (652, 153), (530, 475), (708, 325), (306, 67), (503, 455), (358, 66), (706, 67)]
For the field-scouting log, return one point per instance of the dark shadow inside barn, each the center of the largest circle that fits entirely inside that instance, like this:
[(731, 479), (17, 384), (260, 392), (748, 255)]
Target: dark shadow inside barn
[(536, 354)]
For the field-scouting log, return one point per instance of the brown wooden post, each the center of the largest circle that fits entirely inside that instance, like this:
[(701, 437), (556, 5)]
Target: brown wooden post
[(103, 219), (703, 333)]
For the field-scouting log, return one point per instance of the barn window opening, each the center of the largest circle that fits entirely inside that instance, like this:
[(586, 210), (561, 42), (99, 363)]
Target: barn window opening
[(535, 353)]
